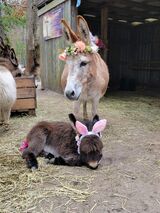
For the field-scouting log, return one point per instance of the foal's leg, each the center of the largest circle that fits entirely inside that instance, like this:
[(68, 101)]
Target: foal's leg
[(72, 160), (36, 146)]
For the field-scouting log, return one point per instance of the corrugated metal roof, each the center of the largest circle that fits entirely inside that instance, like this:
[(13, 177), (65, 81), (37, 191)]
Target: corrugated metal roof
[(130, 10)]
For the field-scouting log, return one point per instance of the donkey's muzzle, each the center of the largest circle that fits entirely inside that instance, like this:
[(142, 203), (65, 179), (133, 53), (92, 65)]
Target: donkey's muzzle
[(70, 94)]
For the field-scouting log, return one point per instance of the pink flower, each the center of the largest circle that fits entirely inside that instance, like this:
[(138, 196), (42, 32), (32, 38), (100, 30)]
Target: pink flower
[(80, 45), (62, 56)]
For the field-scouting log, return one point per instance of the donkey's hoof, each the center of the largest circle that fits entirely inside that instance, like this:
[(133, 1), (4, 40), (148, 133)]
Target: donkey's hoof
[(6, 127)]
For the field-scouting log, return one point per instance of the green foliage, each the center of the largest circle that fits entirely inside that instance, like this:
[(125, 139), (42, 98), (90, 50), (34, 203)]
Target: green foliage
[(13, 21), (20, 49), (11, 17)]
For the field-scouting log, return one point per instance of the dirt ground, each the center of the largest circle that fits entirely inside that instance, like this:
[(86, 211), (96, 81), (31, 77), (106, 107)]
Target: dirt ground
[(128, 179)]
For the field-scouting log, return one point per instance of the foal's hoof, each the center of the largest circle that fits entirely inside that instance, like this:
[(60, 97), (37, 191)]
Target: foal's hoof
[(50, 161), (34, 168)]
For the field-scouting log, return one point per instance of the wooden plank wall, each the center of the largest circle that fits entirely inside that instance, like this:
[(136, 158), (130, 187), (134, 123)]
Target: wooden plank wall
[(134, 53), (51, 66)]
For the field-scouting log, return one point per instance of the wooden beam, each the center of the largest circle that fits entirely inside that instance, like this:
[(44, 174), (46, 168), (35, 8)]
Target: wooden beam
[(131, 4), (129, 13), (74, 13), (104, 29)]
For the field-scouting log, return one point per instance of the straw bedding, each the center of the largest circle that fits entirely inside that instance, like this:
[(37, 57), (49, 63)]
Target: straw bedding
[(50, 187)]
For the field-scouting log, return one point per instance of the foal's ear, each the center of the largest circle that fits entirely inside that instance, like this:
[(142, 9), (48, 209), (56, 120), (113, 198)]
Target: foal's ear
[(83, 30), (68, 32), (95, 119), (72, 118)]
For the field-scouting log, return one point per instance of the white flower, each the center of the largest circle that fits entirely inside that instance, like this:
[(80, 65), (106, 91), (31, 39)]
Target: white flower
[(94, 48)]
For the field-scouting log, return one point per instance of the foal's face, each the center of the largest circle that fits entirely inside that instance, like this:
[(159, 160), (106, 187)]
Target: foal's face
[(90, 147), (91, 151), (78, 72)]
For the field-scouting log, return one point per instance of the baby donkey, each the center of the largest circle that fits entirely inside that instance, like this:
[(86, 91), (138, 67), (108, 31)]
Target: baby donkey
[(74, 144)]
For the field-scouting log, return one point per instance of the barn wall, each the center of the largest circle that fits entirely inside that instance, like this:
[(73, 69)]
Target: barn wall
[(134, 53), (118, 52), (145, 53), (51, 66)]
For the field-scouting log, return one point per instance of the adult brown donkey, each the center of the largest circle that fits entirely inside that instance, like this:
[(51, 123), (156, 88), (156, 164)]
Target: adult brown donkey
[(85, 76)]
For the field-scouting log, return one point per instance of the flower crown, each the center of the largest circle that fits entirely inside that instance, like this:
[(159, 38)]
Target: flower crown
[(78, 47)]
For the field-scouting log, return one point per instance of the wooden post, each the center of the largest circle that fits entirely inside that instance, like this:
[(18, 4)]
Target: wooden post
[(104, 29), (1, 27), (32, 47), (74, 13)]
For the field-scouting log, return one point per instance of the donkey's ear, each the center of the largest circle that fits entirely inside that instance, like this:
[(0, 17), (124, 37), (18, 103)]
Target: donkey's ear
[(72, 118), (12, 57), (83, 30), (68, 32), (2, 45)]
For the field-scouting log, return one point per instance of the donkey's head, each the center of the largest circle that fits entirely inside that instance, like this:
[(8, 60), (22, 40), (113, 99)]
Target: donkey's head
[(89, 144), (8, 58), (79, 66)]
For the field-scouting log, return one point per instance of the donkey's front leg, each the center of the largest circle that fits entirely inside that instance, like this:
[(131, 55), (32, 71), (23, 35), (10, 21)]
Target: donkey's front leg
[(95, 103), (77, 105), (5, 117), (85, 115), (1, 119)]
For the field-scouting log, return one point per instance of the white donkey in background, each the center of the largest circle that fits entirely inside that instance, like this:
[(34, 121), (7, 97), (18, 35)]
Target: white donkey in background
[(85, 76), (8, 69)]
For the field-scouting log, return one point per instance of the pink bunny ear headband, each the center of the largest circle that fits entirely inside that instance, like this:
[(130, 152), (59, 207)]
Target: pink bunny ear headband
[(98, 127)]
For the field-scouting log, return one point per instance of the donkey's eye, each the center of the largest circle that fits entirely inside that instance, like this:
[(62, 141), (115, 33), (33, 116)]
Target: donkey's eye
[(83, 63)]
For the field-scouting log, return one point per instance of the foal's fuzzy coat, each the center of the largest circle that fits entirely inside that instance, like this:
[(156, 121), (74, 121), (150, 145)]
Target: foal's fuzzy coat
[(57, 139)]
